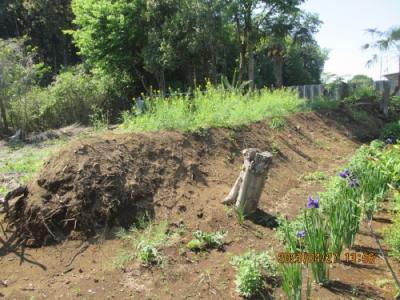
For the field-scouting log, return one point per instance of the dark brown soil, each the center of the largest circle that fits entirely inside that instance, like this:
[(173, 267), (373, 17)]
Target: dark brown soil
[(181, 178)]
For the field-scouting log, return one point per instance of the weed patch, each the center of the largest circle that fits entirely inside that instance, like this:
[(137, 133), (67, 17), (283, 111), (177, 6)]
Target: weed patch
[(203, 240)]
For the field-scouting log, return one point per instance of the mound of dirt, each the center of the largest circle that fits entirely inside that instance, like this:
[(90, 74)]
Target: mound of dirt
[(110, 180)]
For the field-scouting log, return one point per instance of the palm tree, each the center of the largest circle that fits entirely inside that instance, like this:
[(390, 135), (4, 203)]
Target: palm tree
[(385, 41)]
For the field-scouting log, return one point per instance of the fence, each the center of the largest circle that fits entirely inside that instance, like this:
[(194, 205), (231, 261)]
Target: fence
[(340, 91)]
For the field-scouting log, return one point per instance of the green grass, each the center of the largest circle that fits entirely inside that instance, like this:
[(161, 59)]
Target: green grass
[(277, 123), (315, 176), (3, 191), (216, 107), (26, 160), (144, 242)]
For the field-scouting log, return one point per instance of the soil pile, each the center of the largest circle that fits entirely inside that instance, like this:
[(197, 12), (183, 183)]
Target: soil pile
[(109, 180)]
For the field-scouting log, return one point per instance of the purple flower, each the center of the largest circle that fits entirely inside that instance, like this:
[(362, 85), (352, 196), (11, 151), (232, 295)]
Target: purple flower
[(300, 233), (353, 183), (389, 141), (344, 174), (312, 203)]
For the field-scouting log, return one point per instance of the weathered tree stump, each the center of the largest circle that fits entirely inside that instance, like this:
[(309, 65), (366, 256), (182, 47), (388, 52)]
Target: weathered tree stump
[(247, 188)]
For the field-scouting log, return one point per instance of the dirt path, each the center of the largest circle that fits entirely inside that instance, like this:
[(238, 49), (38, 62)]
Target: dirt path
[(211, 162)]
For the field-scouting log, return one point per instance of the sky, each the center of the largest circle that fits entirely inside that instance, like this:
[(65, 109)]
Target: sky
[(343, 34)]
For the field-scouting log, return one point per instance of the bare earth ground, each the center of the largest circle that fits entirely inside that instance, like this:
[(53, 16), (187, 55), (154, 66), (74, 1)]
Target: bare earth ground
[(205, 168)]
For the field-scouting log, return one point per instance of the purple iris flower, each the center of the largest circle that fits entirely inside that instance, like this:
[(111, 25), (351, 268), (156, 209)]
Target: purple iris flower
[(344, 174), (312, 203), (353, 183), (389, 141), (300, 233)]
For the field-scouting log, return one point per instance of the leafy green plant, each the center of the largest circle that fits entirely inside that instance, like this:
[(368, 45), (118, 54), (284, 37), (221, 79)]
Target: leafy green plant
[(291, 273), (277, 123), (252, 268), (203, 240), (275, 148), (391, 130), (240, 216), (143, 242), (315, 239)]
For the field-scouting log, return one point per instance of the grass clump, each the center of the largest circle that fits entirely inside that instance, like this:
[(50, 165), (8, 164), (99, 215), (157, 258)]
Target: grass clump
[(143, 242), (215, 107), (277, 123), (392, 237), (203, 240), (315, 176), (252, 269)]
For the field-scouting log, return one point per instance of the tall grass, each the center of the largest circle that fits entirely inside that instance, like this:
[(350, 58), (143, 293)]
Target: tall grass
[(215, 107)]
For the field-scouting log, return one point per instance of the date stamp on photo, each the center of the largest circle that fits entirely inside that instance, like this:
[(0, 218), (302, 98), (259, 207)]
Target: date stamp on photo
[(328, 258)]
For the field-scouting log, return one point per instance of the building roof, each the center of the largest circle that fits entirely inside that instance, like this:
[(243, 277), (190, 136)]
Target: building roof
[(392, 76)]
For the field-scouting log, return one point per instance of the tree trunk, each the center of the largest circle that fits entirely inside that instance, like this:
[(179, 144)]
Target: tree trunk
[(3, 115), (251, 67), (277, 61), (248, 187), (385, 99)]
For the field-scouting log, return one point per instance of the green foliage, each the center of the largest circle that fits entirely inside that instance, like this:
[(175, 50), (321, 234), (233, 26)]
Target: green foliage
[(277, 123), (252, 268), (361, 92), (315, 176), (143, 242), (323, 104), (275, 147), (240, 216), (291, 273), (203, 240), (216, 107), (391, 130), (392, 237), (315, 242)]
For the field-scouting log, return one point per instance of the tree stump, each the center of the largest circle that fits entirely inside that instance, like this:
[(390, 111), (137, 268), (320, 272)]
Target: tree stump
[(247, 188)]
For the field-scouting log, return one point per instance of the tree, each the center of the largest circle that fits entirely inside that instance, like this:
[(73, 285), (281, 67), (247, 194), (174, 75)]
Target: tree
[(386, 41), (43, 22), (18, 73)]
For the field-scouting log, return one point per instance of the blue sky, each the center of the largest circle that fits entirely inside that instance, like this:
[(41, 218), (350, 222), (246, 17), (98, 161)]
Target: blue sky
[(343, 33)]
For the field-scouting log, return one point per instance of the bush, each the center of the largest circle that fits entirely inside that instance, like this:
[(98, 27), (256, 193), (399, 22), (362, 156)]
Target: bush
[(252, 268), (203, 240), (391, 130), (73, 97)]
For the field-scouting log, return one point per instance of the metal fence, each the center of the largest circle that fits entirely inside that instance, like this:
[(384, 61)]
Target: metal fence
[(315, 91)]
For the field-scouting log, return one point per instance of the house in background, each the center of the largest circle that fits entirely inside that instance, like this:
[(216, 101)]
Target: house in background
[(393, 81)]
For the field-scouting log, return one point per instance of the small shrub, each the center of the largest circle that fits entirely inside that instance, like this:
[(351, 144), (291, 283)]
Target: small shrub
[(275, 148), (252, 268), (203, 240), (391, 130), (143, 241), (277, 123), (240, 216)]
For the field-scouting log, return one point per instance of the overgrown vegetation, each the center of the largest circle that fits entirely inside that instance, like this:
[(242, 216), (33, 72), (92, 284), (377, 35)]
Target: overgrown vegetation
[(252, 269), (351, 197), (144, 242), (215, 107)]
